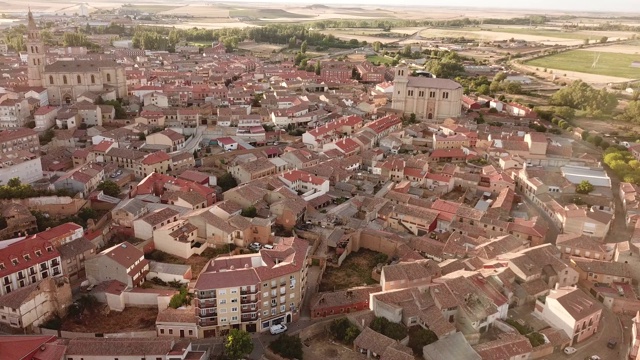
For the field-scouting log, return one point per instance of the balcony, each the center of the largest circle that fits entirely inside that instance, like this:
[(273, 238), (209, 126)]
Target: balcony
[(206, 304), (44, 266), (55, 262), (249, 301), (208, 322), (249, 318), (21, 276), (248, 291), (206, 294), (247, 309)]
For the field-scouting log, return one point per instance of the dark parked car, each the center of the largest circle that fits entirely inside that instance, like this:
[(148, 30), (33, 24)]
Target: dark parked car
[(611, 344)]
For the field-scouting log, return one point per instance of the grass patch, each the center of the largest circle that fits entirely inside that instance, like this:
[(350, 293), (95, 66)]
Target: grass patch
[(266, 14), (609, 64), (355, 271), (379, 59)]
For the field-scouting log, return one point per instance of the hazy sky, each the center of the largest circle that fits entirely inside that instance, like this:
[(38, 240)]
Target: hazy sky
[(632, 6)]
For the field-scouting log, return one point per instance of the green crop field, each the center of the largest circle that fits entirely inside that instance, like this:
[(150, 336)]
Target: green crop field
[(379, 59), (609, 64), (152, 9)]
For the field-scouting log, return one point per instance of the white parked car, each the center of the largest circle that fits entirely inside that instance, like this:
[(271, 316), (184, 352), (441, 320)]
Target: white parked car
[(277, 329), (268, 246), (569, 350)]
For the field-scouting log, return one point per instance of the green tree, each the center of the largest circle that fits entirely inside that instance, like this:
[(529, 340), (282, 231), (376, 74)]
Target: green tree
[(377, 45), (584, 135), (385, 327), (419, 338), (631, 112), (483, 89), (513, 87), (87, 213), (109, 188), (584, 187), (343, 330), (289, 347), (237, 344), (180, 299), (500, 77), (303, 47), (14, 182), (249, 212), (603, 39), (535, 338), (226, 182), (318, 68)]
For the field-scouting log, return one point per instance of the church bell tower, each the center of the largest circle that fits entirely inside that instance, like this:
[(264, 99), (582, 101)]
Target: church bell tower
[(35, 52)]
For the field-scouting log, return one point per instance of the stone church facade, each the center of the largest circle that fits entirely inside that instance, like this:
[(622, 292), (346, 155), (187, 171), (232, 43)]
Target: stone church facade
[(65, 81)]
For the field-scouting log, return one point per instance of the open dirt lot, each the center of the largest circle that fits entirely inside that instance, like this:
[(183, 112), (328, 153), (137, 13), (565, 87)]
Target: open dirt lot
[(322, 347), (355, 271), (130, 319)]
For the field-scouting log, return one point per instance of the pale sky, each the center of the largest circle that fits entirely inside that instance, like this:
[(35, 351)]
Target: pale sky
[(629, 6)]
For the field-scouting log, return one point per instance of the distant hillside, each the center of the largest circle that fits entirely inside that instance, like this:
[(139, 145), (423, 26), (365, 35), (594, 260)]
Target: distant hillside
[(317, 6)]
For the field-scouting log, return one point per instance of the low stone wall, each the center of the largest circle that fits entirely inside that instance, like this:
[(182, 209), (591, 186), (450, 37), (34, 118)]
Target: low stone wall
[(74, 335)]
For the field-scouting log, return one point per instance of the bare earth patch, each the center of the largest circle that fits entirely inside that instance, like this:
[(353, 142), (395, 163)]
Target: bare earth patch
[(105, 321), (354, 271)]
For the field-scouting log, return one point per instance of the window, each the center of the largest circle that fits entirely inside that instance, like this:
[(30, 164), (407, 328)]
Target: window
[(190, 332), (162, 331), (409, 92), (93, 79), (223, 311), (108, 77), (49, 249), (265, 313), (79, 79), (445, 95), (234, 291), (38, 253), (223, 320), (234, 318), (64, 79), (283, 308), (2, 266), (222, 292), (234, 309), (432, 94), (223, 301), (421, 93), (234, 300), (292, 295), (170, 331)]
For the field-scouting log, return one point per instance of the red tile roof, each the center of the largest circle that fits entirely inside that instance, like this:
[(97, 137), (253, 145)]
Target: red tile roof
[(18, 347), (25, 247), (156, 157)]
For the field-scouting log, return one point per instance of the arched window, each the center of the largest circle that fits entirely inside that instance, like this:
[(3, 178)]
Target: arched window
[(32, 51), (51, 79), (93, 79), (37, 50), (64, 79), (108, 77), (79, 79)]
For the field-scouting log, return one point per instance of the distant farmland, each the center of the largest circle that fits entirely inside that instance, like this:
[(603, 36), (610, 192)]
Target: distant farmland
[(609, 64)]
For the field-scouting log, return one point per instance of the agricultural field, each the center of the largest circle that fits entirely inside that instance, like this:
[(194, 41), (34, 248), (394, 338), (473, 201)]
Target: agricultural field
[(483, 34), (379, 59), (267, 14), (150, 8), (201, 11), (609, 64), (368, 35)]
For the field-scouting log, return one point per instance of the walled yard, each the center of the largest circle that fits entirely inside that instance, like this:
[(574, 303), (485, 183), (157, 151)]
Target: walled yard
[(355, 271)]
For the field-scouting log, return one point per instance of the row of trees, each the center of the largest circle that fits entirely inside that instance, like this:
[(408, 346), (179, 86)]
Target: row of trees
[(623, 164), (581, 96)]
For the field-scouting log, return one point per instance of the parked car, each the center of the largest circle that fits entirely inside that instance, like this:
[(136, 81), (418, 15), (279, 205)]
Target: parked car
[(277, 329), (592, 357), (255, 246), (611, 344), (569, 350), (268, 246)]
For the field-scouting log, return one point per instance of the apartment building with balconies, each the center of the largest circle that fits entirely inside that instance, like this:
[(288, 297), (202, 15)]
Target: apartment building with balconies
[(27, 261), (252, 292)]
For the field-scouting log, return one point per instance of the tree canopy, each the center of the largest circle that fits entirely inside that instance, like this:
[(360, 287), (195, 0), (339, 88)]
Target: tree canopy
[(109, 188), (584, 187), (237, 344), (581, 96)]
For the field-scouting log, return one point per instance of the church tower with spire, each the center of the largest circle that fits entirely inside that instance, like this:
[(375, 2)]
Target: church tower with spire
[(35, 51)]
